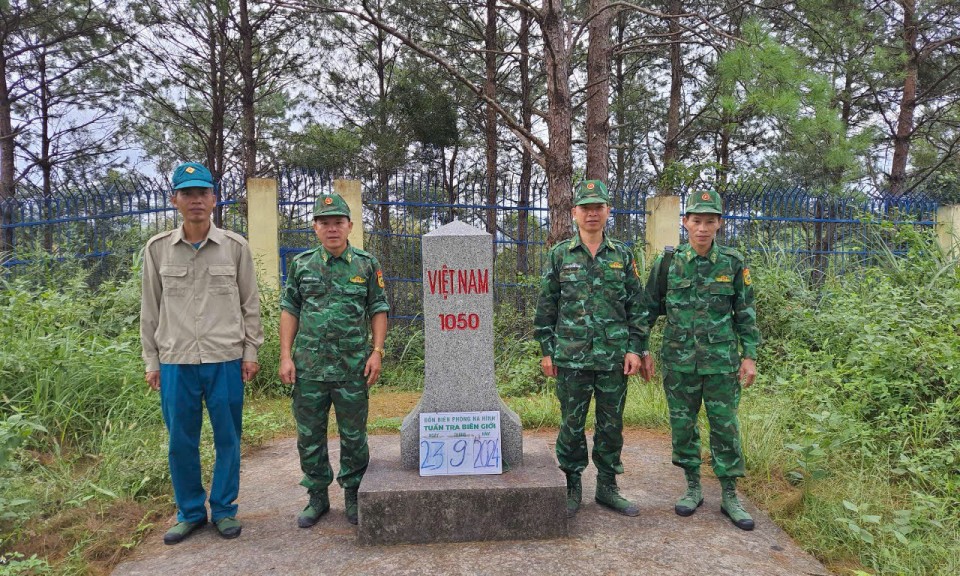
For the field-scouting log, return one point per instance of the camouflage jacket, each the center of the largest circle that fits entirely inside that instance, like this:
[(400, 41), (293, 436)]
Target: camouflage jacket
[(591, 310), (334, 299), (709, 309)]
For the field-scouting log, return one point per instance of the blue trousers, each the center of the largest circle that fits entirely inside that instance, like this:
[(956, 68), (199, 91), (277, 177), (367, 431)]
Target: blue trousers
[(184, 389)]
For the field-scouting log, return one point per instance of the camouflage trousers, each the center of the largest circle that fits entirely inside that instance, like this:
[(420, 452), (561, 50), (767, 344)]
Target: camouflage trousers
[(311, 409), (720, 395), (574, 389)]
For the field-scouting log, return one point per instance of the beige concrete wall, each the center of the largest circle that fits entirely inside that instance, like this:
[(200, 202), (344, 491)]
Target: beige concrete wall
[(663, 223), (350, 190), (948, 229), (263, 229)]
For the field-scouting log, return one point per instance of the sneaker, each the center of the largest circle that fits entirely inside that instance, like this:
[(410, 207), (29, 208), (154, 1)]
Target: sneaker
[(574, 494), (229, 527), (318, 506), (179, 532), (608, 494), (692, 498), (731, 506), (350, 505)]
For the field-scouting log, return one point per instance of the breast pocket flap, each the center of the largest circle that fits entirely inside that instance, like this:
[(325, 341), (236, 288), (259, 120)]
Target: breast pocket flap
[(223, 270), (174, 271)]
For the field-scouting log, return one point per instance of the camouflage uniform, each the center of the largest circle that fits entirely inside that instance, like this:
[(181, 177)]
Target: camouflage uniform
[(334, 299), (710, 314), (589, 316)]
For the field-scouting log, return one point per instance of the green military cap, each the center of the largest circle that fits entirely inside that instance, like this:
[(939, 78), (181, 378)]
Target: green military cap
[(591, 192), (705, 202), (331, 205)]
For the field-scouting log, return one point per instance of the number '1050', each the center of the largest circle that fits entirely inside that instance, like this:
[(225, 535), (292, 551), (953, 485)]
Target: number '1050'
[(459, 321)]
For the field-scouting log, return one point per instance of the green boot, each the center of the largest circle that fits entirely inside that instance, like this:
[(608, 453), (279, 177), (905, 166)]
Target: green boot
[(350, 505), (609, 495), (574, 494), (179, 532), (731, 506), (693, 497), (318, 506)]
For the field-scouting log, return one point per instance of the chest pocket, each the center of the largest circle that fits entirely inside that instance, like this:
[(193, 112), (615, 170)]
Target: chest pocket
[(313, 288), (679, 297), (174, 281), (223, 279), (573, 284), (358, 291), (721, 297), (614, 284)]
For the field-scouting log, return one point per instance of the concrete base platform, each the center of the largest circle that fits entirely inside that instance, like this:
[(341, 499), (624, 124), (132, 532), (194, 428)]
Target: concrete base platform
[(398, 506)]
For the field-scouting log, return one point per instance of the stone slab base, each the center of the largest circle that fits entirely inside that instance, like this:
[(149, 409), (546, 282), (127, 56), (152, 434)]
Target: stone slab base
[(398, 506)]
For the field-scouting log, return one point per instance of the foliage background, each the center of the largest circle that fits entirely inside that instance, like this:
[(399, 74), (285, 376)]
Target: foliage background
[(852, 431)]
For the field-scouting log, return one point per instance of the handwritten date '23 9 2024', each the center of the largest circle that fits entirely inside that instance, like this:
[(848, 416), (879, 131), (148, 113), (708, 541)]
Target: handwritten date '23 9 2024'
[(473, 453)]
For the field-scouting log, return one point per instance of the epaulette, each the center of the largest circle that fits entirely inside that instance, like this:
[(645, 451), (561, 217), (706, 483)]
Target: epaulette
[(362, 252), (727, 251), (562, 243), (306, 253), (160, 236), (234, 236)]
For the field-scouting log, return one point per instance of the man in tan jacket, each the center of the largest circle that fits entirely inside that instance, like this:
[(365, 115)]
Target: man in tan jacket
[(200, 328)]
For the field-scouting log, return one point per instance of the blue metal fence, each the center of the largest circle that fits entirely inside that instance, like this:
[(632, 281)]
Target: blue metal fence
[(104, 225), (825, 233), (296, 192)]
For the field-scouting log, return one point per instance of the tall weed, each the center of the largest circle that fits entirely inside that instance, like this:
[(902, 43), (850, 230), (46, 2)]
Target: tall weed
[(857, 405)]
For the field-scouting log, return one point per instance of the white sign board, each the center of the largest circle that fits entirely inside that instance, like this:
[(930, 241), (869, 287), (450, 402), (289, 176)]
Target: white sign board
[(460, 443)]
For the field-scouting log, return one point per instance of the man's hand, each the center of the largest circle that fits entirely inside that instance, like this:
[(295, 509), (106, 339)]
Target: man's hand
[(631, 364), (373, 368), (748, 372), (547, 367), (248, 370), (647, 370), (153, 379), (288, 372)]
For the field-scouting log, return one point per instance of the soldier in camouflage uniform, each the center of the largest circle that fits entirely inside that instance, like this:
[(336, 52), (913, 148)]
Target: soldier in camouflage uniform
[(592, 329), (708, 301), (333, 293)]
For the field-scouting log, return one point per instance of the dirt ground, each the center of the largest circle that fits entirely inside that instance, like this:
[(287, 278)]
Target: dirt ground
[(599, 542)]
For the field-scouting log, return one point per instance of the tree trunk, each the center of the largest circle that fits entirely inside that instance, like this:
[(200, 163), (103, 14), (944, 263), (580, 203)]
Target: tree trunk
[(558, 158), (908, 101), (598, 90), (490, 115), (526, 160), (671, 146), (723, 149), (46, 165), (216, 55), (448, 183), (383, 175), (7, 163), (247, 94), (619, 106)]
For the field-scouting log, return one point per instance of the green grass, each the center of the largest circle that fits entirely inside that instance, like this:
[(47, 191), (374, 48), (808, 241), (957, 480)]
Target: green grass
[(851, 433)]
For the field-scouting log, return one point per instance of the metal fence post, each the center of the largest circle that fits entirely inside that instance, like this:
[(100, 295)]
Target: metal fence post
[(948, 229), (663, 224), (351, 192), (263, 228)]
